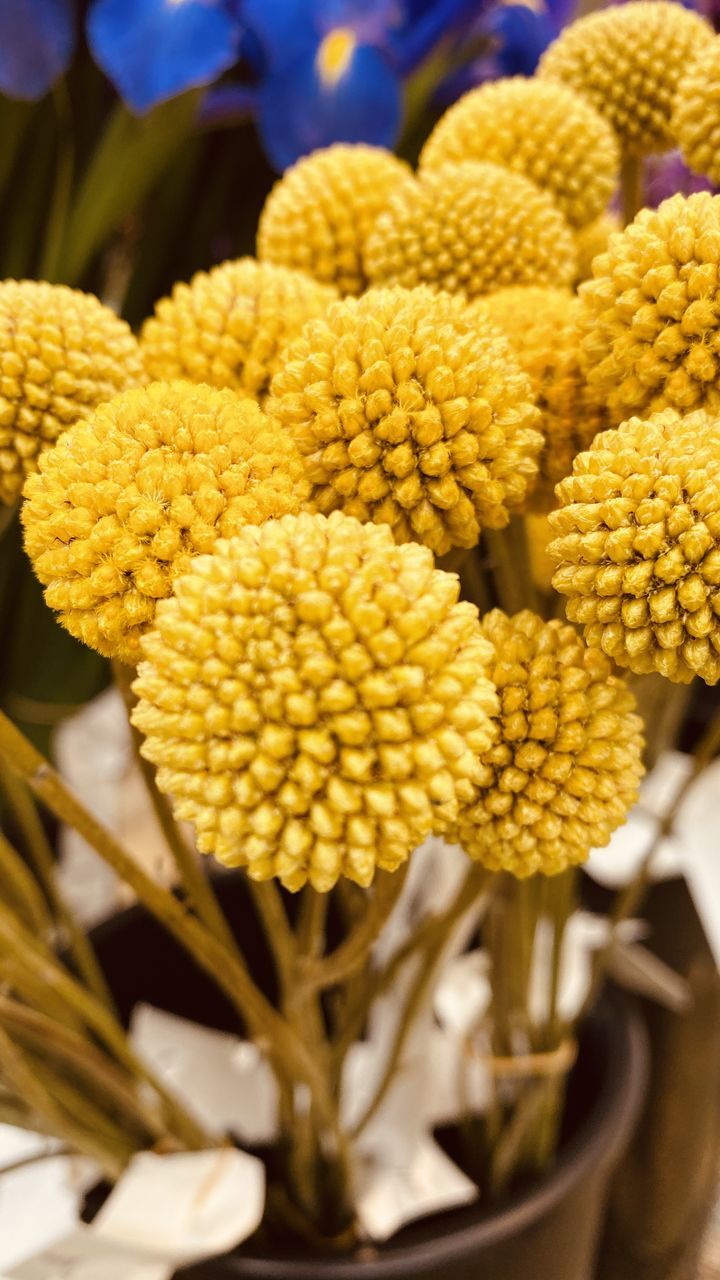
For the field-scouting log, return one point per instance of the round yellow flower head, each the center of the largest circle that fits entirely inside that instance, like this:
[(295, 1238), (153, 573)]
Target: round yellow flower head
[(542, 326), (409, 413), (653, 310), (638, 545), (592, 240), (538, 128), (61, 354), (696, 114), (125, 498), (318, 216), (627, 60), (315, 699), (471, 228), (229, 326), (566, 766)]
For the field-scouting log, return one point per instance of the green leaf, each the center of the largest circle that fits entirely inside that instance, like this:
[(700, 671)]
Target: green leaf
[(131, 156)]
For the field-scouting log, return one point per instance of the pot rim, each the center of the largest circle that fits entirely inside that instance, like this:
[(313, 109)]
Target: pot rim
[(597, 1142)]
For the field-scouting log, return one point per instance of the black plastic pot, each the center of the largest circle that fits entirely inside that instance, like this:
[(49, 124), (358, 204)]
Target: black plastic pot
[(547, 1232)]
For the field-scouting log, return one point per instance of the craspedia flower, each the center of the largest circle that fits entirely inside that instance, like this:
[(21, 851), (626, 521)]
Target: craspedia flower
[(543, 328), (61, 353), (565, 768), (318, 216), (229, 326), (471, 228), (125, 498), (638, 545), (315, 699), (653, 310), (592, 240), (627, 60), (696, 115), (410, 413), (540, 129)]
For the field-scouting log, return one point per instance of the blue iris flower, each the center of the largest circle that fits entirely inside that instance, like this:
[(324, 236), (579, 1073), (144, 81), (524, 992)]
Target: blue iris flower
[(518, 35), (37, 39), (153, 50)]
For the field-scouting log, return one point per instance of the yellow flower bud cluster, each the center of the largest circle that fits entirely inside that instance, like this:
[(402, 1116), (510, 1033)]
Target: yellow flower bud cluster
[(627, 60), (638, 545), (566, 766), (540, 129), (411, 414), (318, 216), (543, 328), (471, 228), (653, 310), (229, 326), (696, 114), (125, 498), (592, 240), (315, 699), (61, 354)]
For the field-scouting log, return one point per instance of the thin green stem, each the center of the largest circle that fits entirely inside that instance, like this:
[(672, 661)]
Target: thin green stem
[(192, 877), (21, 890), (504, 568), (352, 954), (631, 186), (62, 190)]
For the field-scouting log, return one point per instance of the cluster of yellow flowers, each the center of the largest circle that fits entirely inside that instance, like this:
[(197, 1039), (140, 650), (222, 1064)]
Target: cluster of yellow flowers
[(406, 365)]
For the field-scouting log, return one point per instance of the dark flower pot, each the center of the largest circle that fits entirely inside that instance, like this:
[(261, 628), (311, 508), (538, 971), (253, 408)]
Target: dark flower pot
[(548, 1231)]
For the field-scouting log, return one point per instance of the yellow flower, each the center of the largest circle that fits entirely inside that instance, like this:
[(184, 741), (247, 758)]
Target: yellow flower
[(638, 545), (627, 60), (540, 129), (315, 699), (61, 354), (229, 326), (542, 326), (318, 216), (411, 414), (592, 240), (566, 767), (653, 310), (125, 498), (696, 114), (471, 228)]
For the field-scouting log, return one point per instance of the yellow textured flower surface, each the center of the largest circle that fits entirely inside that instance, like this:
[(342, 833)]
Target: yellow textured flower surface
[(61, 353), (566, 766), (696, 115), (542, 326), (471, 228), (229, 326), (539, 128), (653, 310), (320, 213), (638, 545), (124, 499), (627, 60), (592, 240), (410, 413), (316, 699)]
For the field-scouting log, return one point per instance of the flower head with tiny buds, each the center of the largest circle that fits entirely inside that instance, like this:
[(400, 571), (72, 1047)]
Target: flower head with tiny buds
[(124, 499), (61, 353), (315, 699), (653, 311), (696, 114), (627, 60), (229, 326), (471, 228), (638, 545), (410, 413), (540, 129), (565, 768), (320, 213)]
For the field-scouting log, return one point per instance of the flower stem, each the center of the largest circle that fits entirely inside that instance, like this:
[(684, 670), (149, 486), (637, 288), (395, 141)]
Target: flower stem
[(631, 185)]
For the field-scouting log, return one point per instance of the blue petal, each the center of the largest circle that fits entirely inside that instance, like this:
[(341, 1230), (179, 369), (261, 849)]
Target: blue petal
[(522, 35), (153, 50), (226, 104), (299, 113), (419, 37), (285, 28), (37, 38), (561, 12)]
